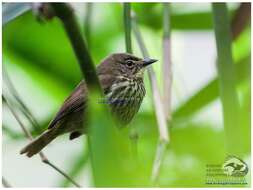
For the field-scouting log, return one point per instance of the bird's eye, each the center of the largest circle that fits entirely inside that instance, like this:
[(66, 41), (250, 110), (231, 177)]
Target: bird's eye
[(129, 63)]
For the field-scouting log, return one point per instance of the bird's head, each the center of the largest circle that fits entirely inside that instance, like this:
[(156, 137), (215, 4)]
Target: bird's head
[(125, 65)]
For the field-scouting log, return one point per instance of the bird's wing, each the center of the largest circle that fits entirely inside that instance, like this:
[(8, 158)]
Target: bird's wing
[(74, 103)]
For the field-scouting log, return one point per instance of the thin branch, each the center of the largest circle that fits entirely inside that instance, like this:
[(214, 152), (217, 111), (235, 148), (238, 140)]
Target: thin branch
[(162, 125), (5, 183), (159, 110), (160, 151), (78, 165), (127, 24), (241, 19), (65, 13), (44, 159), (25, 110), (167, 68)]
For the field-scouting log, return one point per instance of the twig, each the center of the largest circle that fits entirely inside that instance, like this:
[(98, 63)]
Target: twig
[(160, 151), (167, 69), (65, 13), (159, 110), (5, 183), (241, 19), (44, 159), (25, 110), (78, 165), (127, 24), (163, 130)]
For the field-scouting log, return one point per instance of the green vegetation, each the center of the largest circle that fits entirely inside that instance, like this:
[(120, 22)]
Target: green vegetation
[(41, 61)]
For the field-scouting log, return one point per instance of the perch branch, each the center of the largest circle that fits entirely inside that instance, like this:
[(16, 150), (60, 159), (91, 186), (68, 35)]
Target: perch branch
[(65, 13), (159, 110), (44, 159)]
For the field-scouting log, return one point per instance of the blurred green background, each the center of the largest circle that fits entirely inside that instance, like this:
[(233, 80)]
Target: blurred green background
[(42, 66)]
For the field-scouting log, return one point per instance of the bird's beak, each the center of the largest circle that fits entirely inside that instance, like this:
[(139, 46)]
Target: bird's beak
[(148, 61)]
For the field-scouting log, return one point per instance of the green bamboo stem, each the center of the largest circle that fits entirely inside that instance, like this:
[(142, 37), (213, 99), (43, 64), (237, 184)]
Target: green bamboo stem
[(87, 23), (227, 77), (127, 24)]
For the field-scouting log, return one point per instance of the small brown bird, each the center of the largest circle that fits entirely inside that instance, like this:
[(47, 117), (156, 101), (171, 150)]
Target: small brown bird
[(121, 77)]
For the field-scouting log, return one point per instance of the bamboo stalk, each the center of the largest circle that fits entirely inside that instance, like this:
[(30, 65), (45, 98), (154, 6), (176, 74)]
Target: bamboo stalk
[(159, 109), (167, 68), (44, 159), (127, 24), (226, 74)]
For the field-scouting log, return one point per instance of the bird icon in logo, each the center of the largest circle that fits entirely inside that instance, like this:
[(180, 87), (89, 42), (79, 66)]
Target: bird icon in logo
[(234, 166)]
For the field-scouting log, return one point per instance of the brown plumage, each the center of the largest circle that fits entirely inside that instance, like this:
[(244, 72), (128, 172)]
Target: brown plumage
[(121, 78)]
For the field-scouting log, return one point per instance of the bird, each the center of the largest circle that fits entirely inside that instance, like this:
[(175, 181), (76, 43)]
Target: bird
[(121, 78)]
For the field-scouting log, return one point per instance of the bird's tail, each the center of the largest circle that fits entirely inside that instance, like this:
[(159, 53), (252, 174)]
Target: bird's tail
[(39, 143)]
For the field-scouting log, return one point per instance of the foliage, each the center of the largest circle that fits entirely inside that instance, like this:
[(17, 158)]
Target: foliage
[(41, 53)]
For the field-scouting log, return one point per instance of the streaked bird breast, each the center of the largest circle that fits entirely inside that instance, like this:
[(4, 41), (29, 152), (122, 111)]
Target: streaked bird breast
[(125, 97)]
